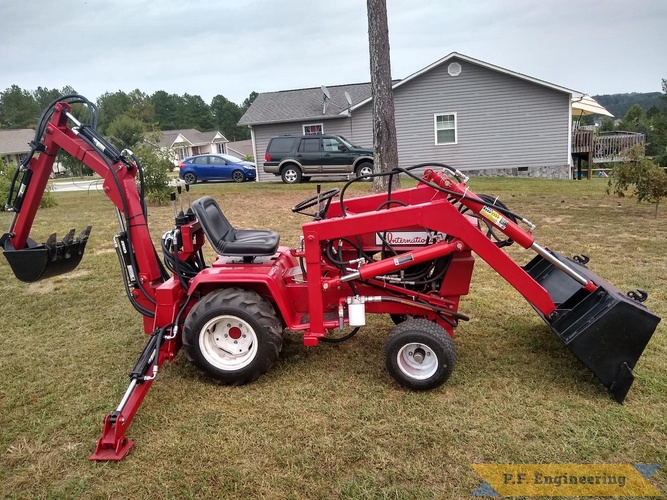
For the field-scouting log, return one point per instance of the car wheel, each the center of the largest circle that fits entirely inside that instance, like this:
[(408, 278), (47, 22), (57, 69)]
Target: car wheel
[(237, 176), (365, 169), (190, 178), (291, 174)]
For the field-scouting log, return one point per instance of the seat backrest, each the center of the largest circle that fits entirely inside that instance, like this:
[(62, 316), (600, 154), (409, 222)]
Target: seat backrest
[(212, 220)]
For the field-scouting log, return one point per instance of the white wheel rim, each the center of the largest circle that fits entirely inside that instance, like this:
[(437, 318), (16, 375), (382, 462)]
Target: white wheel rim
[(409, 364), (228, 343), (189, 178), (364, 171), (237, 176), (290, 175)]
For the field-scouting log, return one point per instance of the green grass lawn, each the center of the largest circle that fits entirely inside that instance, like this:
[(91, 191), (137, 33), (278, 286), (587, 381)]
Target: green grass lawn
[(325, 422)]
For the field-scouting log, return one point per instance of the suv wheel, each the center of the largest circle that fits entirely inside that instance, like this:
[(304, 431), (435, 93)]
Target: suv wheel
[(365, 169), (291, 174)]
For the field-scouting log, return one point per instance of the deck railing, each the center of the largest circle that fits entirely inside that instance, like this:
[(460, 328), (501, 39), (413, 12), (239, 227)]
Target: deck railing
[(605, 147)]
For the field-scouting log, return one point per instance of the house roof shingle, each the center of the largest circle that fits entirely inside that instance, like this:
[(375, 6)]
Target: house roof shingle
[(15, 141), (193, 136), (303, 104)]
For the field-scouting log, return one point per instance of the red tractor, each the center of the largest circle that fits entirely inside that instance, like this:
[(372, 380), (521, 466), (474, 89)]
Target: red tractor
[(407, 253)]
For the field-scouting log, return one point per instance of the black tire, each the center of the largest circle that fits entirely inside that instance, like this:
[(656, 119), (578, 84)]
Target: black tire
[(419, 337), (364, 169), (237, 176), (291, 174), (190, 178), (230, 319)]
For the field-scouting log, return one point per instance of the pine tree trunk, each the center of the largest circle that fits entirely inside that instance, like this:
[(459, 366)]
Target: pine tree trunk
[(384, 126)]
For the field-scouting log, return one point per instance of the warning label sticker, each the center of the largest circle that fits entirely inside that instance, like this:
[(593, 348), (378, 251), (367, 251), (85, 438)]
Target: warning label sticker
[(494, 216)]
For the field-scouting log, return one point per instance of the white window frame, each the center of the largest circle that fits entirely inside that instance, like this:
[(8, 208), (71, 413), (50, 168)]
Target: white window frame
[(456, 128), (321, 125)]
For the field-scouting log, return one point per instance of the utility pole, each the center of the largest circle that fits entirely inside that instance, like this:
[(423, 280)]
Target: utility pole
[(384, 126)]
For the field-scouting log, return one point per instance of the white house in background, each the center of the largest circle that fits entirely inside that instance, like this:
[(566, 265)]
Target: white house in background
[(14, 144), (461, 111), (14, 147), (192, 142)]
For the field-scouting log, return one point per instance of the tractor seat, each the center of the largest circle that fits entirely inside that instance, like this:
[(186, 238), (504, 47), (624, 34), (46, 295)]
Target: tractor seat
[(225, 239)]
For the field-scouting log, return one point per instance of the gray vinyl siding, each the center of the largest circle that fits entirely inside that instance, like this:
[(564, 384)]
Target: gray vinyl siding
[(502, 121)]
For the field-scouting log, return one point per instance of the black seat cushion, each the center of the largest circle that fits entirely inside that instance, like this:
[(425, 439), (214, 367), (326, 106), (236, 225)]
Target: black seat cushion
[(229, 241)]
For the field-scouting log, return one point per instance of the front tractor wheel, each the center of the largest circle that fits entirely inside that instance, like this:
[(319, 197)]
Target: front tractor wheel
[(419, 354), (233, 336)]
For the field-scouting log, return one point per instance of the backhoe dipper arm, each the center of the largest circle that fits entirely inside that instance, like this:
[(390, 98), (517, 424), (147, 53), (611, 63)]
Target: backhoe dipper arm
[(82, 142)]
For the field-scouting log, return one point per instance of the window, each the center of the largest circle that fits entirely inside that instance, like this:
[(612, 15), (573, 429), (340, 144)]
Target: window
[(221, 147), (313, 129), (200, 160), (309, 146), (216, 160), (331, 144), (445, 128), (281, 144)]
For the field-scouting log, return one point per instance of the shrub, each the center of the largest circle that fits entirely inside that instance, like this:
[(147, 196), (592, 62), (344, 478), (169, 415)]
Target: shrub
[(6, 175), (156, 163), (638, 174)]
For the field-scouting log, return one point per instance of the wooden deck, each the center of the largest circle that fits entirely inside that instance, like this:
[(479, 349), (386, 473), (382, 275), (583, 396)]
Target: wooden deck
[(603, 147)]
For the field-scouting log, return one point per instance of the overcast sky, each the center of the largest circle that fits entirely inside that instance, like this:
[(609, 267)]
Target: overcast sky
[(234, 47)]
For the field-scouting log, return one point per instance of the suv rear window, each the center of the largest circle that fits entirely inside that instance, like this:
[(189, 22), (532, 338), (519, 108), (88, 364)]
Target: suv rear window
[(281, 144)]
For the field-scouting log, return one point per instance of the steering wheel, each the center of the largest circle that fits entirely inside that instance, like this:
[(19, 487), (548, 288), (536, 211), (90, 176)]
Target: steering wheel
[(323, 200)]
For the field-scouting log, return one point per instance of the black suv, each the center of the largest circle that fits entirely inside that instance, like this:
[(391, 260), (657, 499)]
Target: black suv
[(297, 157)]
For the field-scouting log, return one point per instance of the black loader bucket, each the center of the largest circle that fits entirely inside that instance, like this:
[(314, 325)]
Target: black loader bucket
[(606, 329), (36, 262)]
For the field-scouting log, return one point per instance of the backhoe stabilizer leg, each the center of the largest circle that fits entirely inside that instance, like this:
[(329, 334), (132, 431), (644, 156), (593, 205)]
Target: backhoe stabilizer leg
[(113, 445)]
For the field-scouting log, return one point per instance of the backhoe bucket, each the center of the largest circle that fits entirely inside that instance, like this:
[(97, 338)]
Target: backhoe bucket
[(606, 329), (36, 262)]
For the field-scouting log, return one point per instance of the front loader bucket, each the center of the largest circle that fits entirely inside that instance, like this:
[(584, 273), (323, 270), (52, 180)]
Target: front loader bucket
[(606, 329), (36, 262)]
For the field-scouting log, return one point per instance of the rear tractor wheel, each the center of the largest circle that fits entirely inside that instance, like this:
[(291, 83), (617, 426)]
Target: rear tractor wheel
[(420, 354), (233, 336)]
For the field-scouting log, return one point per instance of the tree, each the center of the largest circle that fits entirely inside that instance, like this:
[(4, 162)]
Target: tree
[(111, 106), (156, 164), (196, 114), (125, 132), (142, 107), (227, 114), (167, 108), (638, 174), (250, 99), (18, 108), (384, 125)]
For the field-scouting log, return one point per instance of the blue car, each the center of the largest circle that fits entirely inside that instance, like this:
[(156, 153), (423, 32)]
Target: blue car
[(216, 167)]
